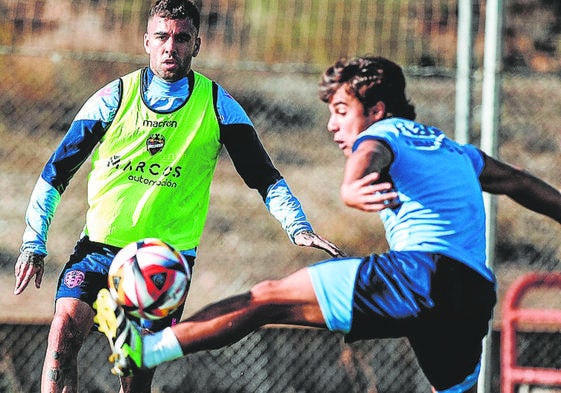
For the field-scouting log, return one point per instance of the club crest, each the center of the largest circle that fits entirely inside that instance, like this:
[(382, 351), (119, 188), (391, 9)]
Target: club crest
[(74, 278), (155, 143)]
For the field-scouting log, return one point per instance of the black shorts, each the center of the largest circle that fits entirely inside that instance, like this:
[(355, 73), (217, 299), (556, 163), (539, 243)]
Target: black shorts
[(446, 335)]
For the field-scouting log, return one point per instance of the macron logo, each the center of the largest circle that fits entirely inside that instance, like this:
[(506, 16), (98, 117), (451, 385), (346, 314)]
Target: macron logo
[(161, 123)]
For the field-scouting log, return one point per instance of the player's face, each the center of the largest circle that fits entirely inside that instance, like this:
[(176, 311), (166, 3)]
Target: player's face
[(347, 119), (171, 45)]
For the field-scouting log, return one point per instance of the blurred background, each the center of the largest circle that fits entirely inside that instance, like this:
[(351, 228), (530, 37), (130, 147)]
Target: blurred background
[(269, 55)]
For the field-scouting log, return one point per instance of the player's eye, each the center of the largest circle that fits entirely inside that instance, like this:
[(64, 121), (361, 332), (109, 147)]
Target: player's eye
[(183, 38)]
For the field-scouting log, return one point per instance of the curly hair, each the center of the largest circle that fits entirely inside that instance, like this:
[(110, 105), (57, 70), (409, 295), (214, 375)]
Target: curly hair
[(370, 79), (177, 9)]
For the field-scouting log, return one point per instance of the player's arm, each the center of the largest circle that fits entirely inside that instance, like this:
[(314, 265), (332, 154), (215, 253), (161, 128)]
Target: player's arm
[(529, 191), (40, 211), (256, 168), (84, 133), (45, 198), (362, 187)]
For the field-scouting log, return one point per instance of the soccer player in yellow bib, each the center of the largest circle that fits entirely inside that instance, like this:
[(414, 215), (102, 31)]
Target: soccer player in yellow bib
[(155, 136)]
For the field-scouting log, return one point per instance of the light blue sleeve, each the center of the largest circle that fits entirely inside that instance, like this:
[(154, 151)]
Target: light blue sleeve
[(475, 156), (229, 110), (40, 211), (44, 200), (103, 105), (286, 208)]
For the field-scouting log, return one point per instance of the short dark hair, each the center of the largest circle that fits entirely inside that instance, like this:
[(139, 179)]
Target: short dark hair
[(177, 9), (370, 79)]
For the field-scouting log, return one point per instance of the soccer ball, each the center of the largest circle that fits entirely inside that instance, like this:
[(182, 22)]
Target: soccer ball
[(149, 279)]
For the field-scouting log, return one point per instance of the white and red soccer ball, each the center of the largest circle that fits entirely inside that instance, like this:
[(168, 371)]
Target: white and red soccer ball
[(149, 279)]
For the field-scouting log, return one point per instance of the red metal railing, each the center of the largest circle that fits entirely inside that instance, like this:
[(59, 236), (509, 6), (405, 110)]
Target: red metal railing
[(513, 317)]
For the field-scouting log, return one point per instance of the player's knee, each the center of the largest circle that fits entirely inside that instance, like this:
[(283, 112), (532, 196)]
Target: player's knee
[(265, 292), (65, 335)]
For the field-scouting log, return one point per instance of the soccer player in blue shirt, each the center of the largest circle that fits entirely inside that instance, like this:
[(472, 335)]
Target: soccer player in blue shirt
[(433, 285)]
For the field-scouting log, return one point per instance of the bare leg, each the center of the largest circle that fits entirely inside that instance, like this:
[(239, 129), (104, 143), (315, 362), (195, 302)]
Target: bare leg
[(288, 301), (71, 324)]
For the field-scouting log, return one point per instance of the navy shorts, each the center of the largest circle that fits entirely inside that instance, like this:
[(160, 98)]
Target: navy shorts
[(86, 273), (441, 305)]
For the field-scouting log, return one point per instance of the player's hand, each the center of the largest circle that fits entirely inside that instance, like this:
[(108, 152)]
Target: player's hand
[(28, 265), (312, 239), (366, 195)]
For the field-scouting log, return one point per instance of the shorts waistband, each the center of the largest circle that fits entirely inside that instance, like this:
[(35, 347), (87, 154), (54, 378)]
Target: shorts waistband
[(99, 246)]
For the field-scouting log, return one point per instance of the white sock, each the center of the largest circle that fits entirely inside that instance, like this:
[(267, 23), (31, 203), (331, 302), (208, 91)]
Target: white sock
[(160, 347)]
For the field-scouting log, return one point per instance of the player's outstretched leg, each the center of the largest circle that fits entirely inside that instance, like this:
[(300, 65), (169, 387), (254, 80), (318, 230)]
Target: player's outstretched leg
[(123, 335)]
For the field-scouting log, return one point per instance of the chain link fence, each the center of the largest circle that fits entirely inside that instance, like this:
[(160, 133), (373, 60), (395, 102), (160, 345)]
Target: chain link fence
[(269, 58), (269, 361)]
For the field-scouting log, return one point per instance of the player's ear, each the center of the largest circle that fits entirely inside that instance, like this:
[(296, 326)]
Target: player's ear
[(146, 40), (378, 111), (197, 46)]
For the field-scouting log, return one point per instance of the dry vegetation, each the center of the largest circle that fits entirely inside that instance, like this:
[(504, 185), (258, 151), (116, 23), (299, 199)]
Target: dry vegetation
[(242, 243)]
